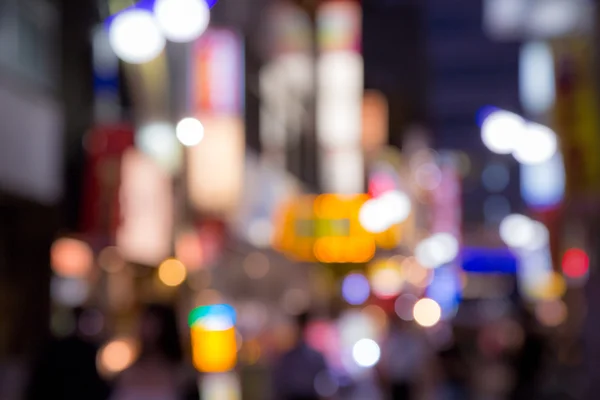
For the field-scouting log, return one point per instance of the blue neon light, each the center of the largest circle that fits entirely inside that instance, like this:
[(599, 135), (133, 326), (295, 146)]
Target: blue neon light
[(492, 261)]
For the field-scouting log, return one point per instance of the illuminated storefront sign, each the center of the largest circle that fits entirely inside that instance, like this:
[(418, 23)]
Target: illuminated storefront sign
[(576, 117), (214, 346), (340, 97), (215, 167), (445, 287), (146, 199), (105, 146), (324, 228), (375, 115), (286, 82)]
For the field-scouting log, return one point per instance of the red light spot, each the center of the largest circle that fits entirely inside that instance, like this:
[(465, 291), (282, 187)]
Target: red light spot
[(576, 263), (379, 183)]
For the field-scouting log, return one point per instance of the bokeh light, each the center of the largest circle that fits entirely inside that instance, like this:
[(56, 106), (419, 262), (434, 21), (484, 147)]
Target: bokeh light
[(71, 292), (551, 313), (379, 214), (378, 318), (501, 130), (404, 306), (540, 237), (172, 272), (575, 263), (256, 265), (111, 260), (189, 131), (537, 145), (437, 250), (495, 177), (366, 353), (116, 356), (386, 278), (552, 286), (355, 288), (188, 250), (415, 274), (135, 36), (517, 230), (428, 176), (427, 312), (182, 20), (71, 258)]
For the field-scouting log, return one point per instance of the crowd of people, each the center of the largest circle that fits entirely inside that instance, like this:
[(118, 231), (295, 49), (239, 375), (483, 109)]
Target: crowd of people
[(409, 368)]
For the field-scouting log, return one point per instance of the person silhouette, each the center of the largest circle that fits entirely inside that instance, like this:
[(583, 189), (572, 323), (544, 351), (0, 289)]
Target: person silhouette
[(296, 370)]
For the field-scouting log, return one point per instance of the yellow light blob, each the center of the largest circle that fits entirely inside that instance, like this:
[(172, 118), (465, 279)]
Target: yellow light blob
[(172, 272), (213, 350), (551, 288)]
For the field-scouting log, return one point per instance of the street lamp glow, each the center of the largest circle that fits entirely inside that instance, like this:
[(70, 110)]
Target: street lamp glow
[(189, 131), (501, 131), (135, 37), (536, 146), (182, 20)]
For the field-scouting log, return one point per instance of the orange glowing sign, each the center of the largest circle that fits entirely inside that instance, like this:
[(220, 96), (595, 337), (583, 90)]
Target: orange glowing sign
[(214, 347), (374, 120), (326, 229)]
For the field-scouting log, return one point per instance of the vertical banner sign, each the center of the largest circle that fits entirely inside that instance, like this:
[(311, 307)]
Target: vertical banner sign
[(105, 146), (144, 235), (340, 97), (447, 218), (286, 82), (375, 116), (215, 167), (576, 114)]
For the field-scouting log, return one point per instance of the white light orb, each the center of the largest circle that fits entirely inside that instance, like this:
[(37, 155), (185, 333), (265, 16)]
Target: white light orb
[(447, 246), (501, 130), (135, 36), (397, 204), (517, 231), (190, 132), (158, 140), (540, 237), (427, 312), (366, 353), (373, 216), (425, 254), (537, 145), (182, 20)]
